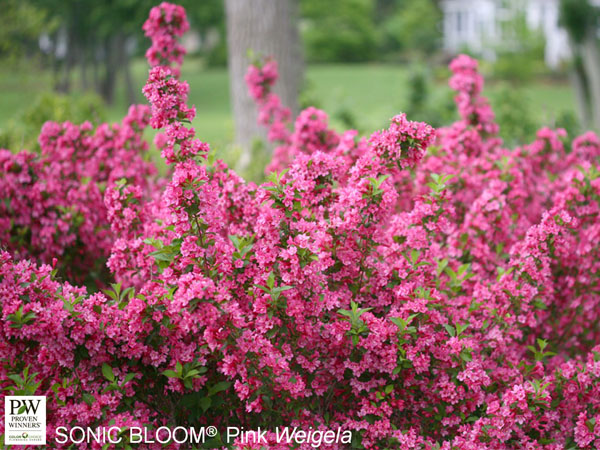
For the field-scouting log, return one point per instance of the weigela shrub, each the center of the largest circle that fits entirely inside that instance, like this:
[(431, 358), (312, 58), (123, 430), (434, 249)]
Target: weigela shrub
[(52, 203), (423, 288)]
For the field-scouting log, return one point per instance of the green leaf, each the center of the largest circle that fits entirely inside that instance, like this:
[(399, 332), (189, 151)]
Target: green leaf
[(450, 329), (192, 373), (271, 280), (205, 403), (414, 255), (264, 288), (542, 344), (461, 328), (129, 377), (88, 399), (345, 312), (282, 288), (403, 324), (108, 372), (17, 379), (170, 373), (466, 355), (441, 266), (219, 387), (235, 241)]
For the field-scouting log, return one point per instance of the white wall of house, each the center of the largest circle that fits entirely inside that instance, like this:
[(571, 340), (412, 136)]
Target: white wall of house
[(543, 14), (474, 24), (469, 24)]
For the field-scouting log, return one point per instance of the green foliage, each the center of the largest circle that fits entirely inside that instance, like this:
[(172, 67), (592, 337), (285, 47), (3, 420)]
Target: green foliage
[(121, 297), (364, 30), (520, 56), (514, 115), (438, 183), (21, 24), (274, 291), (23, 383), (338, 30), (22, 131), (412, 27), (188, 372), (357, 326), (260, 155), (217, 56), (517, 120), (569, 121), (18, 319), (436, 110), (538, 352), (578, 17), (207, 17)]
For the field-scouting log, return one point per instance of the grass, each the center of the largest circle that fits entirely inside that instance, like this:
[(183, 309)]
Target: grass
[(371, 94), (19, 88)]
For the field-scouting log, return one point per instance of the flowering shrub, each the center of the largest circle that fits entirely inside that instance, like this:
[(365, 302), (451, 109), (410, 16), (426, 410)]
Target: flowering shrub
[(52, 203), (422, 288)]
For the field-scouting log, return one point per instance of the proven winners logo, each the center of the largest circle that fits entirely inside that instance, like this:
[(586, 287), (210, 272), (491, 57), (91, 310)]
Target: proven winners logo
[(25, 420)]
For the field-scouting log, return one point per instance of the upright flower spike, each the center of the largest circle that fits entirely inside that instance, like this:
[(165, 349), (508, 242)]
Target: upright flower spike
[(310, 132), (165, 24), (468, 83), (165, 92)]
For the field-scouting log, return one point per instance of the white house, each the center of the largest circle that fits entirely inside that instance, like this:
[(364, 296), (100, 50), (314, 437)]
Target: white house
[(476, 24)]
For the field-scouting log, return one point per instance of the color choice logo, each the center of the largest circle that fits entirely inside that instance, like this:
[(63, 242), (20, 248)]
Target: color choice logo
[(25, 420)]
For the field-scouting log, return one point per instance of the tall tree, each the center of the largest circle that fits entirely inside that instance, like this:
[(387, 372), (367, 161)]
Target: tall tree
[(268, 28), (21, 24), (580, 19), (412, 27), (339, 30)]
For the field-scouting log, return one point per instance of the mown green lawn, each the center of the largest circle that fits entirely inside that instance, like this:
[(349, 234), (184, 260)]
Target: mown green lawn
[(371, 94)]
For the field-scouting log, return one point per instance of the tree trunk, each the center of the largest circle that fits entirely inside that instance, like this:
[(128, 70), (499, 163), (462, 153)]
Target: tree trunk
[(124, 63), (96, 69), (268, 28), (111, 68), (85, 81), (64, 83), (580, 87), (591, 61), (83, 64)]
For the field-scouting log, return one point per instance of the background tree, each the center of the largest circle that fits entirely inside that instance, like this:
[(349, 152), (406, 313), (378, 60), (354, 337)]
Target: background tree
[(21, 24), (409, 27), (98, 38), (268, 28), (520, 53), (339, 31), (580, 19)]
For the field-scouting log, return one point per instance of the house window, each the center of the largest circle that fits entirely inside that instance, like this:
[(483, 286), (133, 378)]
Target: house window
[(460, 22)]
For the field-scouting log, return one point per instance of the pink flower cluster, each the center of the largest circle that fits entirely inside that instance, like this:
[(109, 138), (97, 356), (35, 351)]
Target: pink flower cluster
[(168, 97), (404, 141), (52, 204), (165, 23), (311, 129), (166, 94), (422, 289)]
